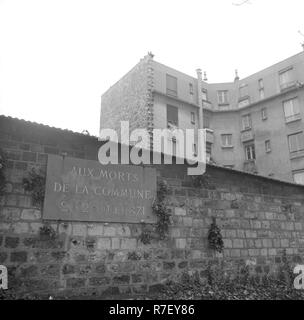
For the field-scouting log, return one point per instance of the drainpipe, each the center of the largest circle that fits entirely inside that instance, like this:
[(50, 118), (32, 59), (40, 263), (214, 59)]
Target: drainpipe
[(200, 98)]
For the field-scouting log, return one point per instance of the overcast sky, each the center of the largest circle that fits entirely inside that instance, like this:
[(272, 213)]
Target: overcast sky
[(57, 57)]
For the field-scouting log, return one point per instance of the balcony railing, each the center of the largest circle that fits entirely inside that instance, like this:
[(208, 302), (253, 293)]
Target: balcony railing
[(250, 166), (209, 136), (247, 135), (292, 118), (287, 85)]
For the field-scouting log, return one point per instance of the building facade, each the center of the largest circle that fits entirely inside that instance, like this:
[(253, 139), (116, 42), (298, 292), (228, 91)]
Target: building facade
[(254, 124)]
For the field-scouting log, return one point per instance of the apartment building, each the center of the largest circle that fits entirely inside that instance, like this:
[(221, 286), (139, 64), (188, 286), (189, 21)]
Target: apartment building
[(254, 124)]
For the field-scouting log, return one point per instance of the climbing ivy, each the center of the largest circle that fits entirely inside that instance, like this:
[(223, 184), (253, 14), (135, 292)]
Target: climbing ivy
[(215, 239), (202, 181), (35, 184), (159, 207), (2, 168)]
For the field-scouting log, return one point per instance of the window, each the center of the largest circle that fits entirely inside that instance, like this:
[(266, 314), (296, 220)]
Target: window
[(222, 97), (172, 116), (244, 103), (261, 84), (264, 113), (226, 140), (243, 90), (194, 149), (190, 88), (208, 151), (246, 122), (291, 109), (298, 177), (193, 117), (285, 78), (267, 146), (262, 94), (206, 122), (171, 85), (296, 142), (250, 152), (204, 95)]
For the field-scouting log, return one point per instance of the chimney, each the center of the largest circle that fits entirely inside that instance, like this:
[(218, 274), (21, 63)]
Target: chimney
[(200, 98), (205, 76), (237, 78)]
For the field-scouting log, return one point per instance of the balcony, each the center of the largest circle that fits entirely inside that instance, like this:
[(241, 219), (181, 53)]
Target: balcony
[(293, 118), (247, 135), (288, 85), (209, 136), (250, 166), (297, 154), (207, 105)]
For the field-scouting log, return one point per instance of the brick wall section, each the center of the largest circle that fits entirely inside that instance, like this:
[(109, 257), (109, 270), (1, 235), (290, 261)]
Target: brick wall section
[(130, 99), (259, 219)]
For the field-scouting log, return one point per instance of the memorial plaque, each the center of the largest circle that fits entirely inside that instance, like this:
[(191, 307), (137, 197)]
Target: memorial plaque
[(85, 190)]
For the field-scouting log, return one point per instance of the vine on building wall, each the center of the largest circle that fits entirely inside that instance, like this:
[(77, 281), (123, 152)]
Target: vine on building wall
[(2, 168), (202, 181), (159, 207), (35, 184), (46, 231), (215, 239)]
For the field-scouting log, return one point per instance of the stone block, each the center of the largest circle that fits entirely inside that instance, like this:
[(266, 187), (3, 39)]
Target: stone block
[(30, 214), (115, 243), (180, 211), (237, 243), (121, 279), (20, 227), (103, 243), (187, 222), (3, 257), (128, 243), (175, 232), (182, 264), (99, 281), (24, 201), (65, 228), (34, 227), (68, 269), (29, 156), (123, 231), (168, 265), (95, 230), (19, 256), (227, 243), (10, 214), (79, 230), (180, 243), (75, 282), (109, 231), (11, 242)]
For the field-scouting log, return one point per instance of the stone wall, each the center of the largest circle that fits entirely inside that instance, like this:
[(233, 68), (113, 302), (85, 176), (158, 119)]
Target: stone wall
[(130, 99), (260, 219)]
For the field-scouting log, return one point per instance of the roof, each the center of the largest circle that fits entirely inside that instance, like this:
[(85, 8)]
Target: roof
[(27, 122), (210, 165)]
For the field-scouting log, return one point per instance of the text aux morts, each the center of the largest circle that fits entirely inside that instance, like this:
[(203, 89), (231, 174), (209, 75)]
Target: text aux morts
[(106, 188)]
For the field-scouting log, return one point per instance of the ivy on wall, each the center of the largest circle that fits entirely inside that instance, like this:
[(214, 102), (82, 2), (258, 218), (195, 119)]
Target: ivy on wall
[(160, 230), (35, 184), (215, 239), (202, 181), (2, 168)]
